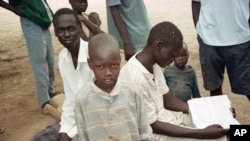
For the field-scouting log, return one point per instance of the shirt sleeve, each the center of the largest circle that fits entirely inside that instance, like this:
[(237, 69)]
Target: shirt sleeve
[(144, 128), (80, 120), (68, 118), (113, 2)]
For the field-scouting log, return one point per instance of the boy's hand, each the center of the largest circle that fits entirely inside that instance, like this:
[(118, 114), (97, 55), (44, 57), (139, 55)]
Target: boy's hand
[(213, 132), (233, 112), (64, 137), (128, 51)]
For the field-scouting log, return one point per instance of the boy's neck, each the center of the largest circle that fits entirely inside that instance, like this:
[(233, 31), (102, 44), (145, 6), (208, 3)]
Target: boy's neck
[(146, 60)]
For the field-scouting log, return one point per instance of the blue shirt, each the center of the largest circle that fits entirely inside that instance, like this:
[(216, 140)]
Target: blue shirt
[(135, 20)]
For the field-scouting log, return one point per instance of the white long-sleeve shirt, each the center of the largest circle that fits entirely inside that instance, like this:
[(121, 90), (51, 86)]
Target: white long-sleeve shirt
[(73, 80)]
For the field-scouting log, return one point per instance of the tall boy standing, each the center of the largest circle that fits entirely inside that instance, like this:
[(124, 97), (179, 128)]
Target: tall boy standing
[(108, 108), (128, 22), (35, 18), (224, 42), (165, 113)]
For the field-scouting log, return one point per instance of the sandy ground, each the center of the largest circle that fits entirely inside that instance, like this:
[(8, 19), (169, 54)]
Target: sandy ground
[(19, 111)]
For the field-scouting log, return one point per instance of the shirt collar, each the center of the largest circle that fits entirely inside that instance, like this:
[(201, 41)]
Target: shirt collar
[(105, 95)]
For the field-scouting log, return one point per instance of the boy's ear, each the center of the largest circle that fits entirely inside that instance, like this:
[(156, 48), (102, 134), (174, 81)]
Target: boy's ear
[(158, 45)]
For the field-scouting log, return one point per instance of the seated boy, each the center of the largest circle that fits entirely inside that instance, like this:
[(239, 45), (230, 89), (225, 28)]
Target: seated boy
[(165, 112), (181, 78), (74, 71), (107, 108), (89, 29)]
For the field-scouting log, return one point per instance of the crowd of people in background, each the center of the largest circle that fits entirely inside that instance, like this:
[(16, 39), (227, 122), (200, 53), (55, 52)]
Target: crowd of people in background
[(146, 99)]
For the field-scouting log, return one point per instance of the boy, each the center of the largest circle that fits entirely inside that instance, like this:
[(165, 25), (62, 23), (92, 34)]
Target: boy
[(165, 113), (88, 28), (181, 78), (95, 18), (107, 108), (74, 71)]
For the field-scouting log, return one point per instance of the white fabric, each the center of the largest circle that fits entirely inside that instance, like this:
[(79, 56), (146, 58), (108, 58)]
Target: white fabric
[(224, 22), (73, 80), (153, 87)]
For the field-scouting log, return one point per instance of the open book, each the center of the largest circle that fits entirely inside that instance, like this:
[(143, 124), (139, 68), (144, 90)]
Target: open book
[(211, 110)]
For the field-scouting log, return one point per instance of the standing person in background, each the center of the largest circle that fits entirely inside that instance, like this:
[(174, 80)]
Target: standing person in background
[(89, 29), (36, 18), (224, 39), (128, 22), (181, 78)]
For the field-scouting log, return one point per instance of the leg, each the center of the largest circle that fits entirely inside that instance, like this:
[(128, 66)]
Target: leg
[(50, 133), (248, 96), (215, 92), (36, 45), (50, 61), (238, 67)]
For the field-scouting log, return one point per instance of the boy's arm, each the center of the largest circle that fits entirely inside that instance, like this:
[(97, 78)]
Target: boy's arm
[(195, 11), (127, 46), (10, 7), (174, 104), (167, 129), (68, 128), (93, 28), (195, 88)]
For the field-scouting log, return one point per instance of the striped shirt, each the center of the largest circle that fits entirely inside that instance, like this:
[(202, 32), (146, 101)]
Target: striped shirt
[(118, 115), (182, 83)]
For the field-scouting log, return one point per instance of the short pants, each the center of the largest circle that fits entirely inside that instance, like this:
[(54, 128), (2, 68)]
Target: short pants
[(236, 60)]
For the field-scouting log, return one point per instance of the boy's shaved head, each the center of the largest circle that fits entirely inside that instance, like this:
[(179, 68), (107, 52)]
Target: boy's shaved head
[(104, 44), (104, 59)]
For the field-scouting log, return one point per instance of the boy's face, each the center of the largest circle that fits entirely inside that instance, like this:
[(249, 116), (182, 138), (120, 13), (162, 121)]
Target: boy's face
[(79, 5), (95, 19), (106, 67), (180, 59), (164, 57), (67, 30)]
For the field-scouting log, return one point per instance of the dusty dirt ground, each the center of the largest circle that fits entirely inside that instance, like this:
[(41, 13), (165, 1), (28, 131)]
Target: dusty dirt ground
[(19, 112)]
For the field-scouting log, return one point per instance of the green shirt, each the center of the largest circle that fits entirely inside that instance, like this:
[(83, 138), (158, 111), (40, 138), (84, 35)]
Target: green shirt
[(182, 83), (37, 11)]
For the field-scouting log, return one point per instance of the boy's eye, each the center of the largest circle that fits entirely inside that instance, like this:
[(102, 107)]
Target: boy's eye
[(99, 67), (72, 29), (59, 30), (115, 65)]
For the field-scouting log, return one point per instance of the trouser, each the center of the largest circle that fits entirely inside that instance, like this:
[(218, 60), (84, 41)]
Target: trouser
[(40, 50)]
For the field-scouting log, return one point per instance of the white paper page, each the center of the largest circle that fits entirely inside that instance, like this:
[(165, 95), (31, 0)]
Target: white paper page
[(211, 110)]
